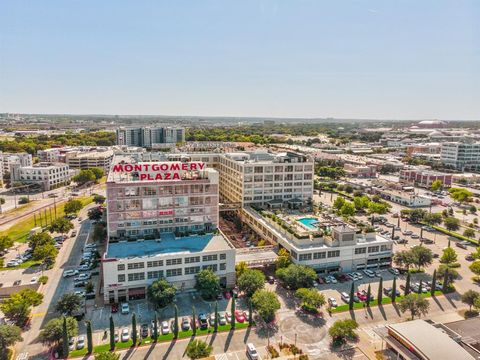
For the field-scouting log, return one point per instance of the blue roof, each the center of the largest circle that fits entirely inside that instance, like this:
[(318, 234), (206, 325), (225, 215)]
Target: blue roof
[(167, 244)]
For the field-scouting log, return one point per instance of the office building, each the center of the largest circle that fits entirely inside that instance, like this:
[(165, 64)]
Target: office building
[(149, 136), (47, 176), (462, 156)]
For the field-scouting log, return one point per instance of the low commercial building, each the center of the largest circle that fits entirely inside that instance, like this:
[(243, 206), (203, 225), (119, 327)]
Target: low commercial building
[(47, 176), (420, 340), (344, 250), (129, 267), (405, 198), (101, 158), (424, 177), (360, 171)]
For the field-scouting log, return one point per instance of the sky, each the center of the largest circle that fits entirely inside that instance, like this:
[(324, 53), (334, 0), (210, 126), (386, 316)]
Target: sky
[(375, 59)]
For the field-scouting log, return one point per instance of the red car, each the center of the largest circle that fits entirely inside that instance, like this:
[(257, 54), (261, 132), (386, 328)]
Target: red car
[(361, 296), (227, 295), (239, 316), (320, 280), (114, 308)]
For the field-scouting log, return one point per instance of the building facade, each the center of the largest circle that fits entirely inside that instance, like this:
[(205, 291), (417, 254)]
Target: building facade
[(148, 136), (47, 176), (423, 177), (8, 160), (462, 156), (89, 159)]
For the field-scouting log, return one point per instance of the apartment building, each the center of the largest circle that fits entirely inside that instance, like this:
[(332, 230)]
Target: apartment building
[(344, 251), (148, 136), (462, 156), (47, 176), (101, 158), (265, 178), (145, 199), (8, 160)]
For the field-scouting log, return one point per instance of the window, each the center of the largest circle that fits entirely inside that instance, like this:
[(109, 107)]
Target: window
[(223, 266), (212, 267), (174, 272), (121, 278), (335, 253), (177, 261), (120, 267), (192, 270), (373, 249), (192, 259), (360, 250), (319, 255), (136, 276), (223, 256), (155, 274), (210, 257), (139, 265), (384, 248), (305, 257), (155, 263)]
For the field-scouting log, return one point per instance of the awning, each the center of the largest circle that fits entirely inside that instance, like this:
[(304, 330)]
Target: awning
[(136, 291)]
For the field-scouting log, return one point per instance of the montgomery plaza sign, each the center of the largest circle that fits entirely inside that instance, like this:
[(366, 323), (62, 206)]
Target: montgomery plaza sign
[(159, 171)]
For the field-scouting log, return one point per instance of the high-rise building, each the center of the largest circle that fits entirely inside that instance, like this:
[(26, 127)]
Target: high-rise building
[(462, 156), (149, 136)]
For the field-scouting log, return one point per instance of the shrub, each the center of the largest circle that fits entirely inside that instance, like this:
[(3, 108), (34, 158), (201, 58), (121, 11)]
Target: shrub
[(43, 279), (272, 351)]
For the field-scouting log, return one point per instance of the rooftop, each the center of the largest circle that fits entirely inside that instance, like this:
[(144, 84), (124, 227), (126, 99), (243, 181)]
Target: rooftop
[(167, 244), (266, 157), (429, 341)]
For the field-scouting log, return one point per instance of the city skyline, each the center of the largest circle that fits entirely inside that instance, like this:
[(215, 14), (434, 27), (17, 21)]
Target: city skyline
[(352, 60)]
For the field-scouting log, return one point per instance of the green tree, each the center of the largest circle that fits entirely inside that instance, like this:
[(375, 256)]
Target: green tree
[(266, 303), (283, 259), (99, 199), (310, 299), (40, 239), (175, 322), (422, 256), (436, 185), (208, 284), (250, 313), (61, 225), (18, 305), (84, 176), (89, 337), (134, 329), (377, 208), (361, 202), (475, 267), (53, 332), (232, 310), (95, 214), (352, 295), (215, 321), (251, 281), (198, 349), (155, 325), (45, 252), (415, 304), (112, 334), (98, 172), (341, 330), (72, 207), (460, 194), (347, 210), (433, 285), (470, 233), (403, 259), (407, 284), (394, 289), (161, 293), (297, 276), (240, 268), (369, 295), (433, 218), (5, 243), (469, 297), (449, 256), (444, 270), (65, 337), (338, 203), (451, 223), (9, 335), (194, 321), (106, 355), (380, 291), (69, 303)]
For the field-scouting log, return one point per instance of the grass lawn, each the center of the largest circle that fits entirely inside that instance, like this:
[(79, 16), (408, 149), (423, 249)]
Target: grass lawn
[(23, 265), (19, 231), (162, 338), (385, 301)]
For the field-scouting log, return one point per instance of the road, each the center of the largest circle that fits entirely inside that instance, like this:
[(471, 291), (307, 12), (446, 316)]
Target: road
[(68, 257)]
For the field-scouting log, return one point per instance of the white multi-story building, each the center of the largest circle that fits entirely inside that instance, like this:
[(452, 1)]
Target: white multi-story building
[(8, 160), (148, 136), (462, 156), (343, 251), (265, 178), (101, 158), (46, 175), (129, 267)]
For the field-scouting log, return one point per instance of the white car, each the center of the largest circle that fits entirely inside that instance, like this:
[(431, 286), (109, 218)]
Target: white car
[(80, 342), (369, 273), (68, 273), (125, 308), (80, 293), (332, 279), (125, 335), (165, 328), (332, 302), (33, 280)]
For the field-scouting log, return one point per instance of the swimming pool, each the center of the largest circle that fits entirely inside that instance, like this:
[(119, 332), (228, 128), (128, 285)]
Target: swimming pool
[(310, 223)]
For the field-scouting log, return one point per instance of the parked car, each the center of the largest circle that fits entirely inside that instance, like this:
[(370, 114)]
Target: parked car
[(80, 342), (222, 319), (462, 244), (388, 291), (251, 351), (68, 273), (211, 319), (144, 330), (114, 308), (369, 273), (33, 280), (345, 297), (125, 308), (125, 335), (361, 296), (332, 302), (239, 316), (164, 327), (394, 271), (407, 232), (80, 283), (185, 323), (415, 236), (74, 233), (271, 279), (80, 293), (202, 319), (71, 344), (469, 257), (227, 295)]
